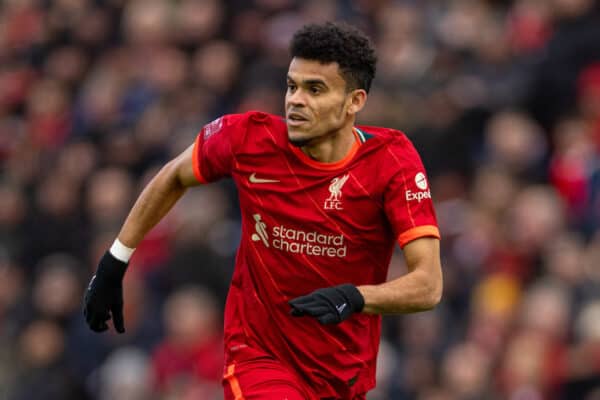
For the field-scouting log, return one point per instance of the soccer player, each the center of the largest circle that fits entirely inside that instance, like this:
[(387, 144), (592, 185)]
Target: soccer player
[(323, 203)]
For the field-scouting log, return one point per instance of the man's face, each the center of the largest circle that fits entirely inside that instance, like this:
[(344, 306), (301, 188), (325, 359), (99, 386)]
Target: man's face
[(316, 101)]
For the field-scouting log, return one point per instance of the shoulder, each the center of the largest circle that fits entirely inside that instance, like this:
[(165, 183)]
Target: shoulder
[(393, 144), (261, 123), (266, 129), (257, 131), (382, 133), (249, 117), (263, 118), (251, 124)]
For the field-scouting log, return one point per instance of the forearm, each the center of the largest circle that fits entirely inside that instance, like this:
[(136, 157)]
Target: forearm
[(413, 292), (155, 201)]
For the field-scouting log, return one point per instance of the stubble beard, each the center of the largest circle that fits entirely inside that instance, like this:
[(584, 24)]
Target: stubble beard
[(300, 142), (303, 142)]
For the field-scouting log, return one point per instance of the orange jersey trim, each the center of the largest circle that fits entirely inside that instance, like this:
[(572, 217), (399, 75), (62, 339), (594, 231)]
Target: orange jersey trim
[(418, 232), (233, 383), (196, 161), (329, 166)]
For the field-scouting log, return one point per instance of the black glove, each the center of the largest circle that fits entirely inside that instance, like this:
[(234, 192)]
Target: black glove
[(104, 295), (330, 305)]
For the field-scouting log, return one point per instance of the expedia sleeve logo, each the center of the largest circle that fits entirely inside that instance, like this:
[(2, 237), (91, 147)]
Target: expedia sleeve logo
[(421, 183)]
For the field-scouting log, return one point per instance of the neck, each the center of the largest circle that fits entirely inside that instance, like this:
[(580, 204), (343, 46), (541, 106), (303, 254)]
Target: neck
[(333, 147)]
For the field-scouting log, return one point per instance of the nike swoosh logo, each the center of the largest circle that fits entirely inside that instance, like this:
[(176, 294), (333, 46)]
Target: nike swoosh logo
[(341, 308), (253, 179)]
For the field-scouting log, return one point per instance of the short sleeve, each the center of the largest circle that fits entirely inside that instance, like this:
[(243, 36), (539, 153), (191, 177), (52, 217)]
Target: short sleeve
[(215, 147), (407, 198)]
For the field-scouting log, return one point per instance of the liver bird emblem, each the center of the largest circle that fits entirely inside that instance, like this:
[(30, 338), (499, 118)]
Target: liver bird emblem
[(336, 188)]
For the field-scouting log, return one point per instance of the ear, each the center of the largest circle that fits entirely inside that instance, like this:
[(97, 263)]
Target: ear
[(358, 98)]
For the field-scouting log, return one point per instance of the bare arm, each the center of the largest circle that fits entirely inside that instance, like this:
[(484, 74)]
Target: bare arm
[(158, 197), (420, 289)]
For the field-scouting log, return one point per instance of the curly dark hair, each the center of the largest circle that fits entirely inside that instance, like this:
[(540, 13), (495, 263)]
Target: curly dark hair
[(341, 43)]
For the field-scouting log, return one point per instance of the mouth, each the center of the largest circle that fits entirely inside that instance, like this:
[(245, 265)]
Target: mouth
[(295, 119)]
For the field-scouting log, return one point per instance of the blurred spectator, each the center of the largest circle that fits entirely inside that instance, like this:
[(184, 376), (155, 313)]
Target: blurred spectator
[(188, 363), (48, 114), (108, 198), (13, 209), (516, 143), (466, 372), (42, 370), (125, 376), (203, 233), (12, 295), (218, 80), (493, 308), (57, 289), (56, 222), (571, 166), (88, 351), (583, 366), (536, 216), (588, 86)]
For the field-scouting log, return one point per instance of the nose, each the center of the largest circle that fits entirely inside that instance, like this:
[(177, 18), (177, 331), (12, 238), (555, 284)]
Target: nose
[(296, 98)]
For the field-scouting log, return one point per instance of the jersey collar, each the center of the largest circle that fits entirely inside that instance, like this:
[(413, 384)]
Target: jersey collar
[(359, 139)]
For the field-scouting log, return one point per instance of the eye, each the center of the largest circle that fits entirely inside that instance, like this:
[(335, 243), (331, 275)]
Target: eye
[(291, 87), (315, 90)]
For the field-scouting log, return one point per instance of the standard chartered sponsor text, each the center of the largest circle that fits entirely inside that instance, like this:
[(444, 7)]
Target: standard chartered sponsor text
[(309, 243)]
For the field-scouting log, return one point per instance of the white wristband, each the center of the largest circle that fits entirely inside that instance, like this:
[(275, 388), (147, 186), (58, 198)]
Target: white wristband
[(120, 251)]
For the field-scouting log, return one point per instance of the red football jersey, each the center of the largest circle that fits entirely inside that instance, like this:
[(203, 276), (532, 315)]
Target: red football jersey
[(308, 225)]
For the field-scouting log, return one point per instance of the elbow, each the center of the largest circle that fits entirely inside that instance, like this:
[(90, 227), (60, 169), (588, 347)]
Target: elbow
[(435, 297), (429, 302), (169, 173), (434, 294)]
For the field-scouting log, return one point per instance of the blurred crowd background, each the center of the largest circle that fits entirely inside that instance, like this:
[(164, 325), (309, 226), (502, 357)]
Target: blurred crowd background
[(501, 98)]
